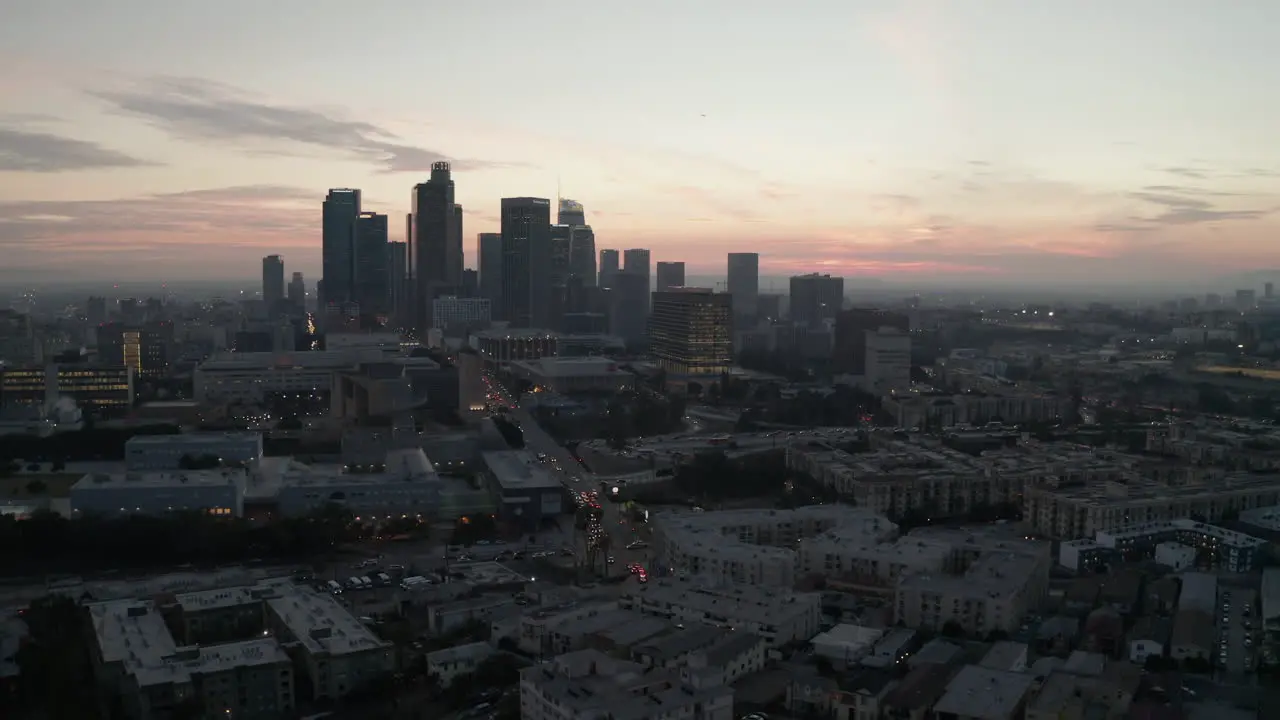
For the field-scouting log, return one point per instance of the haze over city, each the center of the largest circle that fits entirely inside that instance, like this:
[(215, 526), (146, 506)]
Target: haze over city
[(920, 143)]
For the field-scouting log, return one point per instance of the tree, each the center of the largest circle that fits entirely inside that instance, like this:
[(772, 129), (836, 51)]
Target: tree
[(952, 629), (37, 487)]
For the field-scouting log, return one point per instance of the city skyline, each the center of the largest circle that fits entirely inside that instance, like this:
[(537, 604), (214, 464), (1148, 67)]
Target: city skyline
[(910, 141)]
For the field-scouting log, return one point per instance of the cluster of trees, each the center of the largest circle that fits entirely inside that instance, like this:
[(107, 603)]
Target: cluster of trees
[(713, 476), (636, 414), (473, 528), (56, 676), (87, 443), (52, 544)]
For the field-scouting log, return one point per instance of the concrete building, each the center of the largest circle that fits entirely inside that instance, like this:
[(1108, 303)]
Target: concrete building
[(502, 346), (524, 490), (588, 685), (670, 275), (451, 663), (888, 361), (216, 492), (165, 452), (743, 283), (94, 388), (691, 331), (1178, 543), (526, 262), (460, 315), (571, 375), (780, 617), (845, 645), (994, 593), (224, 650), (404, 484), (816, 298), (254, 378), (978, 693)]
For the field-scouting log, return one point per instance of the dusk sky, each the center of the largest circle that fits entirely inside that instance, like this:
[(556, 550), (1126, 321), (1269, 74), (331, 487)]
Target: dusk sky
[(965, 141)]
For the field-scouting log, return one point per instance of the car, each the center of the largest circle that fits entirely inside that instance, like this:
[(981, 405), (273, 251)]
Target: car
[(610, 560)]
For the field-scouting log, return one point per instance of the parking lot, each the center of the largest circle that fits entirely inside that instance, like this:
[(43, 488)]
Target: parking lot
[(1237, 615)]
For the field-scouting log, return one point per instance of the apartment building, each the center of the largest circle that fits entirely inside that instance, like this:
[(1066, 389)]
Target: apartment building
[(994, 593), (589, 685), (548, 632), (754, 546), (780, 616), (1082, 511), (235, 651), (1206, 544), (450, 663)]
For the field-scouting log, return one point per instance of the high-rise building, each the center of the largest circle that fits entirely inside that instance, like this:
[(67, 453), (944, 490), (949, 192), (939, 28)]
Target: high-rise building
[(526, 262), (146, 348), (559, 254), (489, 262), (608, 267), (434, 218), (744, 284), (272, 280), (373, 267), (1246, 299), (629, 307), (815, 298), (1268, 290), (636, 261), (470, 283), (670, 275), (298, 292), (457, 253), (849, 354), (570, 213), (582, 254), (397, 278), (887, 359), (341, 213), (691, 331)]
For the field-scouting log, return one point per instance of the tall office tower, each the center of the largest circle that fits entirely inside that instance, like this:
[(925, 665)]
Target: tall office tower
[(849, 352), (373, 266), (744, 284), (470, 283), (629, 307), (96, 310), (636, 261), (582, 254), (1246, 300), (1268, 290), (670, 275), (298, 292), (559, 254), (397, 266), (887, 359), (526, 262), (489, 261), (815, 298), (434, 218), (570, 212), (341, 214), (691, 331), (608, 267), (272, 280), (457, 253), (146, 348)]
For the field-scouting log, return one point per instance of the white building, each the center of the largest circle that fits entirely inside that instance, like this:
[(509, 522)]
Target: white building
[(589, 685), (888, 361), (165, 452), (138, 655), (780, 616), (451, 663), (846, 644), (406, 484), (217, 492)]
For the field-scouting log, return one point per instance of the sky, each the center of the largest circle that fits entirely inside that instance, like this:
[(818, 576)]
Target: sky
[(918, 142)]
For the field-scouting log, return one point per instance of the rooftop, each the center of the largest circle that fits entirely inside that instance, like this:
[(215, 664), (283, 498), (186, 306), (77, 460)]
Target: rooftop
[(193, 438), (984, 694), (733, 601), (921, 687), (161, 479), (519, 470)]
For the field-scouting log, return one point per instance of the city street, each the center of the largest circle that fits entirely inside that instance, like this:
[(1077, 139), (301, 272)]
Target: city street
[(1233, 636)]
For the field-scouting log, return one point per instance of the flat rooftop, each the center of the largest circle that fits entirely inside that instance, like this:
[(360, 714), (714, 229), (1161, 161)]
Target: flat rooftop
[(193, 438), (519, 470), (984, 694), (161, 479)]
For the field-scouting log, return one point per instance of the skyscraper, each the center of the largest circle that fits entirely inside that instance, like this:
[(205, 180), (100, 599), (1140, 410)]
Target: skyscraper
[(629, 307), (526, 262), (608, 267), (670, 275), (849, 354), (341, 212), (272, 280), (559, 254), (457, 254), (691, 331), (636, 261), (570, 213), (582, 254), (397, 270), (298, 292), (744, 283), (489, 262), (434, 218), (373, 272), (815, 298)]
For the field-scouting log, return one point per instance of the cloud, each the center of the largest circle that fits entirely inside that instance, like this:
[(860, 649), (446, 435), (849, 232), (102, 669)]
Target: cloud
[(1121, 228), (40, 152), (1188, 172), (1184, 207), (204, 111)]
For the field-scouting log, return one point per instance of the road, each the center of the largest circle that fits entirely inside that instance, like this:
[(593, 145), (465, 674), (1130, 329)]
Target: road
[(577, 479)]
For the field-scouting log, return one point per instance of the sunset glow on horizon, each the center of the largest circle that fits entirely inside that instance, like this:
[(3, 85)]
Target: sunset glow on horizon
[(932, 142)]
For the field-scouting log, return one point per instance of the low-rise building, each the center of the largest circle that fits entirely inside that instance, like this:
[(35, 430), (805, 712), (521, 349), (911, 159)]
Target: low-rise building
[(994, 593), (404, 484), (450, 663), (1006, 655), (1149, 637), (978, 693), (780, 617), (166, 452), (216, 492), (571, 375), (588, 685), (525, 491)]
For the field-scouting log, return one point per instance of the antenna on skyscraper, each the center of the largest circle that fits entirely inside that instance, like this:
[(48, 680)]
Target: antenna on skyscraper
[(557, 191)]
